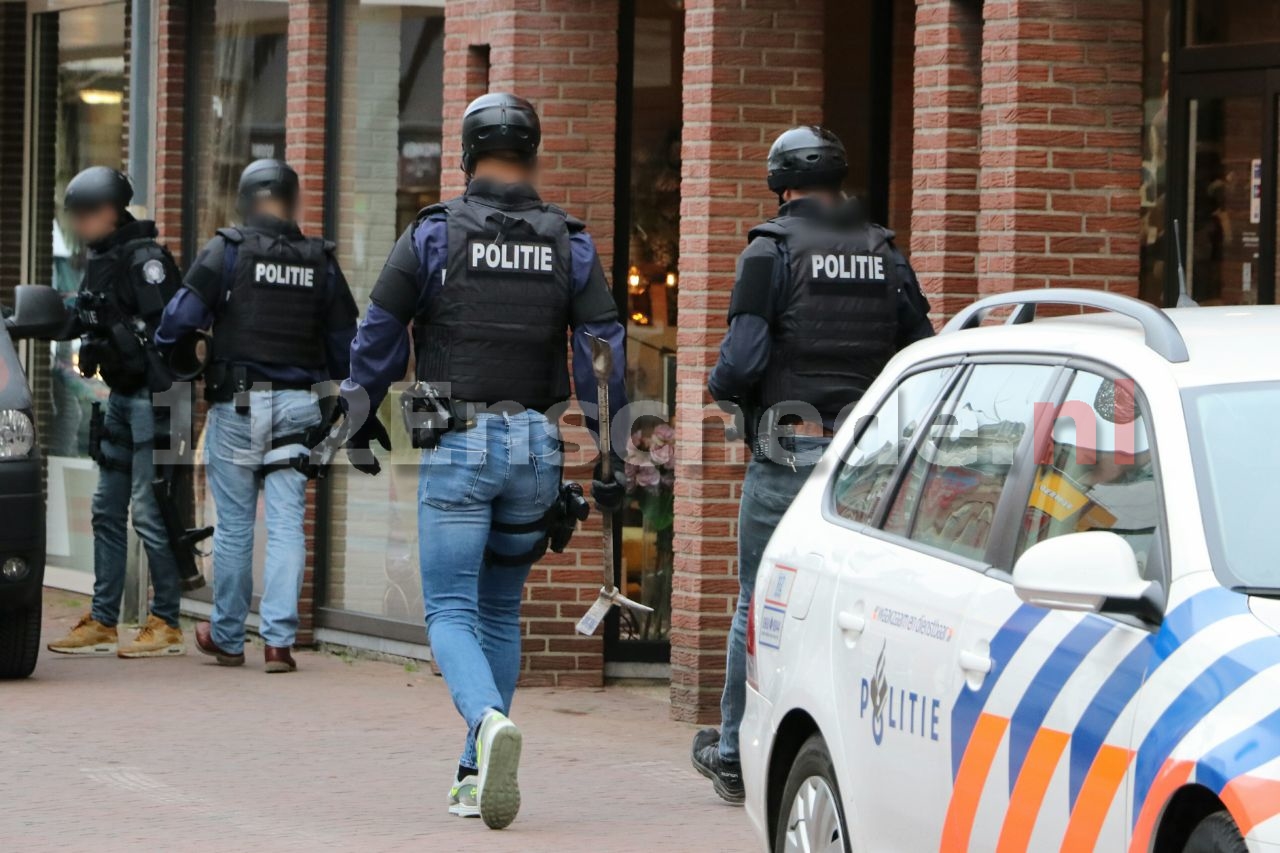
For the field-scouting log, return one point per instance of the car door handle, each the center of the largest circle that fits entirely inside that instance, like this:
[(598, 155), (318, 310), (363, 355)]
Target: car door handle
[(975, 662), (851, 623)]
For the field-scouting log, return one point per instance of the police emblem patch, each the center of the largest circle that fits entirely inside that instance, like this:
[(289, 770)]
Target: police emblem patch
[(153, 271)]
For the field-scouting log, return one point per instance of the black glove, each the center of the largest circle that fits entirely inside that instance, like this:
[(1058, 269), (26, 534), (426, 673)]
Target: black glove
[(363, 459), (610, 496)]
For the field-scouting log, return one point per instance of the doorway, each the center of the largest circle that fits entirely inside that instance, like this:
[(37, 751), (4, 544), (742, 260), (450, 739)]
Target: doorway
[(1227, 197), (1224, 152)]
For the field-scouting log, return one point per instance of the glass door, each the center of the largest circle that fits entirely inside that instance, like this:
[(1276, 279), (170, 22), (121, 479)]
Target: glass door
[(78, 91), (1226, 215)]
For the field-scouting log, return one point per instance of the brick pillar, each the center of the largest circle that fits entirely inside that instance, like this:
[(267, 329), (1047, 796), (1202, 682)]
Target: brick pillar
[(305, 151), (1061, 144), (944, 218), (747, 73), (562, 55), (902, 120), (13, 64), (170, 142)]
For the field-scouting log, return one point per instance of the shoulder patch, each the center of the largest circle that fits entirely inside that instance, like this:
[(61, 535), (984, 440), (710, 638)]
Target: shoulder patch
[(153, 271), (574, 224)]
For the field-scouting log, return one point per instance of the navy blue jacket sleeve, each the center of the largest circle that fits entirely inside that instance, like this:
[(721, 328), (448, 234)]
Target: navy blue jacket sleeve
[(380, 351), (341, 329), (591, 288), (913, 306), (744, 352)]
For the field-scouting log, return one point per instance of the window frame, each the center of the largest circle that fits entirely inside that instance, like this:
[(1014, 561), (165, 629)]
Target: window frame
[(997, 559), (954, 364)]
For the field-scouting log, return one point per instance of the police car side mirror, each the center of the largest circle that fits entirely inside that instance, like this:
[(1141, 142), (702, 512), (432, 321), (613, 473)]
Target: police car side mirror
[(1092, 572), (38, 312)]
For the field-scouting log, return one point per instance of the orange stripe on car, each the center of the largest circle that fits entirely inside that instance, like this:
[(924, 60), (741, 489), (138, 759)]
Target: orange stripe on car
[(980, 752), (1028, 792), (1251, 800), (1172, 776), (1097, 793)]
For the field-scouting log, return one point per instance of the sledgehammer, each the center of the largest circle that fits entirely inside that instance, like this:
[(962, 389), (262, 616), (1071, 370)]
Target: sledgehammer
[(602, 365)]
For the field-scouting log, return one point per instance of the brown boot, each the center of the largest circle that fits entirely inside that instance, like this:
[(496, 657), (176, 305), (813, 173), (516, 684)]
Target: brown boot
[(88, 637), (156, 639), (205, 643), (278, 659)]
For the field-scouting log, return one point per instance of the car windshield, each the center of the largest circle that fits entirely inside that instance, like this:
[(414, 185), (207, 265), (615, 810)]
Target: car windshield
[(1238, 474)]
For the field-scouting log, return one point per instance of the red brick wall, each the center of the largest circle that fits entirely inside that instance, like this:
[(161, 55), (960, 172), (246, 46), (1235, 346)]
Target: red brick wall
[(170, 92), (305, 151), (1061, 144), (750, 69), (561, 55), (944, 219), (902, 120)]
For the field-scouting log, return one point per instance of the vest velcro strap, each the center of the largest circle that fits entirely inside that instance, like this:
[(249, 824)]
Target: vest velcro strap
[(753, 293)]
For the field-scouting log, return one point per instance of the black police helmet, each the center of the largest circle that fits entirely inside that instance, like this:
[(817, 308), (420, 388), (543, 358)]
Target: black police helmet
[(807, 157), (98, 186), (267, 179), (499, 122)]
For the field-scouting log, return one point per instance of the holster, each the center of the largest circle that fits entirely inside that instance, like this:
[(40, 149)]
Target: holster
[(427, 415), (558, 523)]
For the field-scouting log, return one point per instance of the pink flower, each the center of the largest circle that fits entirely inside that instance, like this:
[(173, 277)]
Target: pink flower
[(665, 433), (663, 454), (648, 477)]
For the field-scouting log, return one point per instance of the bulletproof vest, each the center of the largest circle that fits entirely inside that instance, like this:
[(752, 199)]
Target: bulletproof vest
[(274, 311), (127, 278), (496, 331), (836, 324)]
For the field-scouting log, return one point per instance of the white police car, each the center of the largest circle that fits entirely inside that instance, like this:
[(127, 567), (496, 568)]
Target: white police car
[(1029, 600)]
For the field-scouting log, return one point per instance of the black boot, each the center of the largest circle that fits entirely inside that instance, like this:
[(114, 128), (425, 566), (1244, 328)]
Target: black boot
[(726, 776)]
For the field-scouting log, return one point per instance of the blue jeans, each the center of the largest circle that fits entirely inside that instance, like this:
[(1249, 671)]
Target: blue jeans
[(504, 471), (236, 448), (124, 484), (767, 493)]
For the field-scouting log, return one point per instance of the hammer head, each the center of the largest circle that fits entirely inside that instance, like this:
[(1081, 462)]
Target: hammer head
[(608, 597)]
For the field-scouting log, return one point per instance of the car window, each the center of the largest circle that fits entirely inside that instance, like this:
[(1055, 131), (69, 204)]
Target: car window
[(948, 498), (1097, 472), (868, 467)]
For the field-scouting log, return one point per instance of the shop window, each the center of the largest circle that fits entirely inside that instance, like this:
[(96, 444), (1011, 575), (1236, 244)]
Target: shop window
[(649, 122), (237, 114), (1216, 22), (390, 106), (1155, 149), (79, 86), (238, 104)]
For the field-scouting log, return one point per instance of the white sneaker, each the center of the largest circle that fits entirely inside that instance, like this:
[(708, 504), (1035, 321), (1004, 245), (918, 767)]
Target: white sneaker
[(462, 796), (498, 788)]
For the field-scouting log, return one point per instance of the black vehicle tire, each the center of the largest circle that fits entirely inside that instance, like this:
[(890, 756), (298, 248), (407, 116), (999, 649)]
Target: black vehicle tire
[(1216, 834), (19, 641), (811, 784)]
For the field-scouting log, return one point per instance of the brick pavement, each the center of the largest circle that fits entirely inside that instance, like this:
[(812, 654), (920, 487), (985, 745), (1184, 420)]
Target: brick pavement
[(179, 754)]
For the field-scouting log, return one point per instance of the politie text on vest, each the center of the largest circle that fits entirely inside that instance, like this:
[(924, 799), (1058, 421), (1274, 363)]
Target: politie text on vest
[(847, 267), (266, 272), (512, 257)]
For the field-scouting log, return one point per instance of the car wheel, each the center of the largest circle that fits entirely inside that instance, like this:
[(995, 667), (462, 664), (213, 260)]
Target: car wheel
[(1216, 834), (19, 641), (811, 819)]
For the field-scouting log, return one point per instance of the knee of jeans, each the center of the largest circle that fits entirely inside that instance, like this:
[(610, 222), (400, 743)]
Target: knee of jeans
[(456, 615)]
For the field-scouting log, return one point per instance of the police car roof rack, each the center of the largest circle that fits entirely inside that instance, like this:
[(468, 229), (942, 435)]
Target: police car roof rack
[(1161, 333)]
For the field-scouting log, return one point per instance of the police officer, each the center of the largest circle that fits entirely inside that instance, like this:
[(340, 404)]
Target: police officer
[(821, 301), (490, 280), (128, 278), (283, 319)]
